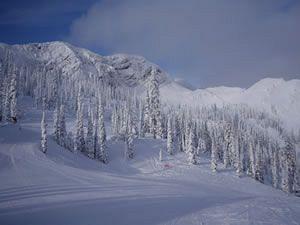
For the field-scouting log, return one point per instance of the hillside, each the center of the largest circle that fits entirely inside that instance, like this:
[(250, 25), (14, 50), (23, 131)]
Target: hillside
[(77, 62), (65, 188), (278, 97)]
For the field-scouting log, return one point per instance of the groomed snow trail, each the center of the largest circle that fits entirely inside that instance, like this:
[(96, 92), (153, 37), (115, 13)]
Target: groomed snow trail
[(63, 188)]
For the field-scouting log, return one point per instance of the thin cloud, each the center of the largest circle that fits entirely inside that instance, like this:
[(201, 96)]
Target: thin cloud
[(209, 42)]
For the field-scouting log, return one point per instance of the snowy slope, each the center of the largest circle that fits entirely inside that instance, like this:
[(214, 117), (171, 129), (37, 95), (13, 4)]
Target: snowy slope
[(65, 188), (278, 97), (120, 68)]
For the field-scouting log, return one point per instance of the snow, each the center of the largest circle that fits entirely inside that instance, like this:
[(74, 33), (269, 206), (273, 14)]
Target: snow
[(78, 62), (65, 188), (278, 97)]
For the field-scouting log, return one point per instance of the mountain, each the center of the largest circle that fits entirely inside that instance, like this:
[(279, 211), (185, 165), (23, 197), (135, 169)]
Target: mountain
[(77, 62), (278, 97)]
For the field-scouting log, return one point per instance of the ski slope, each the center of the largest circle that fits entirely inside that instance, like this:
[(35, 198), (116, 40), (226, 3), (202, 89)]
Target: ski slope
[(63, 188)]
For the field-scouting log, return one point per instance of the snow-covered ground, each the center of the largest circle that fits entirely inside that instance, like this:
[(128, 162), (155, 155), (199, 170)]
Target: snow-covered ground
[(63, 188)]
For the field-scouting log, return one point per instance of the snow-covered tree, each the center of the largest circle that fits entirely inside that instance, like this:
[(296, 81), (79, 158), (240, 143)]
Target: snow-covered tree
[(201, 146), (129, 142), (170, 144), (62, 126), (79, 143), (238, 157), (13, 96), (259, 164), (43, 134), (159, 127), (114, 121), (56, 120), (228, 145), (95, 134), (6, 101), (275, 166), (213, 162), (251, 160), (288, 166), (9, 96), (155, 123), (101, 151), (191, 148), (141, 130), (147, 118), (89, 136)]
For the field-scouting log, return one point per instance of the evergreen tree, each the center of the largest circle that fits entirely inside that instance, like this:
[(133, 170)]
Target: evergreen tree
[(213, 163), (129, 142), (191, 148), (95, 134), (6, 101), (89, 136), (13, 96), (155, 119), (170, 144), (62, 126), (114, 121), (259, 164), (141, 121), (147, 118), (43, 134), (201, 146), (275, 167), (289, 166), (56, 124), (251, 160), (228, 139), (159, 127), (238, 159), (102, 151), (79, 143)]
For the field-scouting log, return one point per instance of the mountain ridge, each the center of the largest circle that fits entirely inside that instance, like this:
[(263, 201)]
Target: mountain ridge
[(274, 95)]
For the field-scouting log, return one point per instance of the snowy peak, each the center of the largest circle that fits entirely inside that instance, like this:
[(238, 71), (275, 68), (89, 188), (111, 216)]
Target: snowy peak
[(267, 83), (134, 69), (276, 96), (72, 61)]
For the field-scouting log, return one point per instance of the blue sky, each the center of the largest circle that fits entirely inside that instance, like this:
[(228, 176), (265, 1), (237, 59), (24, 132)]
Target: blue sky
[(208, 42), (38, 20)]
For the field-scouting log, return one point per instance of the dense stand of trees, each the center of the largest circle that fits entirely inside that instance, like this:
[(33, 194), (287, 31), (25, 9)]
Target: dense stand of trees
[(250, 141)]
